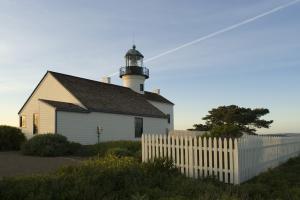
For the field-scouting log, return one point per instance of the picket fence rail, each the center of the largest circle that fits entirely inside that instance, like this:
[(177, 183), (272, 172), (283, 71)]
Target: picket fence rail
[(229, 160)]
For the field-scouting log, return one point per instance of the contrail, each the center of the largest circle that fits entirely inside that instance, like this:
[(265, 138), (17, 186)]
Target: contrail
[(211, 35)]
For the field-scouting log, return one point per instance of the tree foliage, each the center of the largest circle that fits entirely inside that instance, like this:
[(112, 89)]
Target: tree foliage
[(234, 118), (225, 130), (200, 127)]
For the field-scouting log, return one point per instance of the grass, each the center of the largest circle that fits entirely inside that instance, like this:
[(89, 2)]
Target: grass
[(110, 178), (282, 182)]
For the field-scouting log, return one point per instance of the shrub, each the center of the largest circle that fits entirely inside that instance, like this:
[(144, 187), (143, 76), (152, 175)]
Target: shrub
[(134, 147), (119, 152), (49, 145), (112, 178), (160, 165), (74, 147), (11, 138)]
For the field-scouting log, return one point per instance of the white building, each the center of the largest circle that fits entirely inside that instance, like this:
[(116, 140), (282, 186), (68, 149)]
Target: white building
[(80, 108)]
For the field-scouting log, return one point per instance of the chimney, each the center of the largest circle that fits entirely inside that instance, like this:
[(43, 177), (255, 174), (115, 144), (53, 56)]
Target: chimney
[(106, 79), (157, 91)]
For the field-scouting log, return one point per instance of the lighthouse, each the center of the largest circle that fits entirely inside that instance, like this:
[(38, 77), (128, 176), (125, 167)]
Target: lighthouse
[(134, 74)]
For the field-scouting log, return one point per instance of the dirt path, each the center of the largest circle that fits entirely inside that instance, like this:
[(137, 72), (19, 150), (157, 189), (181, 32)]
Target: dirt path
[(14, 164)]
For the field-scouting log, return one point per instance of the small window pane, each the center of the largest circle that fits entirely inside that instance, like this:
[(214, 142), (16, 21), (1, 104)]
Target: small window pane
[(142, 87), (35, 123), (169, 118), (23, 121)]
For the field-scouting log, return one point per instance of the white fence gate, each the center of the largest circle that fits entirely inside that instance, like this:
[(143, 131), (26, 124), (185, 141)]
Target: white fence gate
[(229, 160)]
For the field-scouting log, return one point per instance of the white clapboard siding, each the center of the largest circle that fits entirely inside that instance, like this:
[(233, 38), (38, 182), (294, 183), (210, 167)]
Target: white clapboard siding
[(229, 160)]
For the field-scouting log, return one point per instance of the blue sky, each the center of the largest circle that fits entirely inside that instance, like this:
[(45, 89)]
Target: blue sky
[(255, 65)]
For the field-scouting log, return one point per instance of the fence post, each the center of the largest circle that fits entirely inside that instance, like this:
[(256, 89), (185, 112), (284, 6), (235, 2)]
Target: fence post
[(177, 151), (153, 146), (149, 147), (200, 157), (173, 148), (210, 149), (181, 155), (195, 165), (205, 156), (231, 159), (165, 146), (186, 155), (156, 147), (191, 158), (169, 147), (143, 148), (215, 157), (225, 160), (236, 162), (221, 168)]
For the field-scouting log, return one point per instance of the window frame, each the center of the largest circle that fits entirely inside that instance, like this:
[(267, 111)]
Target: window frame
[(142, 87), (35, 123), (22, 121), (169, 118)]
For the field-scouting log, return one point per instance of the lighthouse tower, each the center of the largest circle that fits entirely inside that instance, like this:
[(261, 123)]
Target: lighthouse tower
[(134, 73)]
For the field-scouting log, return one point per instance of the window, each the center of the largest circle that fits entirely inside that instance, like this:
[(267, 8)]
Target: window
[(23, 121), (138, 123), (169, 118), (35, 123), (141, 87)]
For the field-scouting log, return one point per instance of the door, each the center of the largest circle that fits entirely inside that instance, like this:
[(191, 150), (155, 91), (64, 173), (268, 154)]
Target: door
[(138, 123)]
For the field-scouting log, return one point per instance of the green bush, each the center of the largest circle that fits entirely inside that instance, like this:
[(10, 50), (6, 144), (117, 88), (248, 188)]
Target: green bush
[(49, 145), (74, 147), (133, 147), (125, 178), (119, 152), (107, 178), (11, 138)]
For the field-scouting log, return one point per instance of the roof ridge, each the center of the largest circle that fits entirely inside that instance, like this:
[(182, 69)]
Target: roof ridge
[(87, 79), (50, 100), (111, 84), (64, 106)]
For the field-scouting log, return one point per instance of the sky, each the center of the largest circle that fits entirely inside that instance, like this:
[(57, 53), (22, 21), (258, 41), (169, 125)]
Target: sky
[(255, 65)]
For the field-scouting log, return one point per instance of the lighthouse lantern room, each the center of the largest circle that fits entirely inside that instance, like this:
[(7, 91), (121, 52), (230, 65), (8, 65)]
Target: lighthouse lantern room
[(134, 73)]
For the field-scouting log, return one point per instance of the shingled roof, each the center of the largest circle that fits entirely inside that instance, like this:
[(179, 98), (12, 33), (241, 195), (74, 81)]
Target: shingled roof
[(156, 97), (109, 98)]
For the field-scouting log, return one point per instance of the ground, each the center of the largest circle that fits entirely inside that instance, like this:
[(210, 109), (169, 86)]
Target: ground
[(14, 163), (111, 177)]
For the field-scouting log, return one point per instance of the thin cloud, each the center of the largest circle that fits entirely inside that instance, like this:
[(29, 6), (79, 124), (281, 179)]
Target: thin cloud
[(224, 30)]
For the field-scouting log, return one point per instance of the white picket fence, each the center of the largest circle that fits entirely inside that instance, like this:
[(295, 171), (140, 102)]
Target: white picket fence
[(229, 160)]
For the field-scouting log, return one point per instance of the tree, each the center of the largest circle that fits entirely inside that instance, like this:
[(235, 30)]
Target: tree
[(225, 130), (234, 118), (200, 127)]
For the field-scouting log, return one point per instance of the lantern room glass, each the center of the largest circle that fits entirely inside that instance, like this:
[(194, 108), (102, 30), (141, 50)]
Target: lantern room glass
[(135, 61)]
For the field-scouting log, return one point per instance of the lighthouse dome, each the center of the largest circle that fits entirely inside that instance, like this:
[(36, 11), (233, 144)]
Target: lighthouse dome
[(133, 53)]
